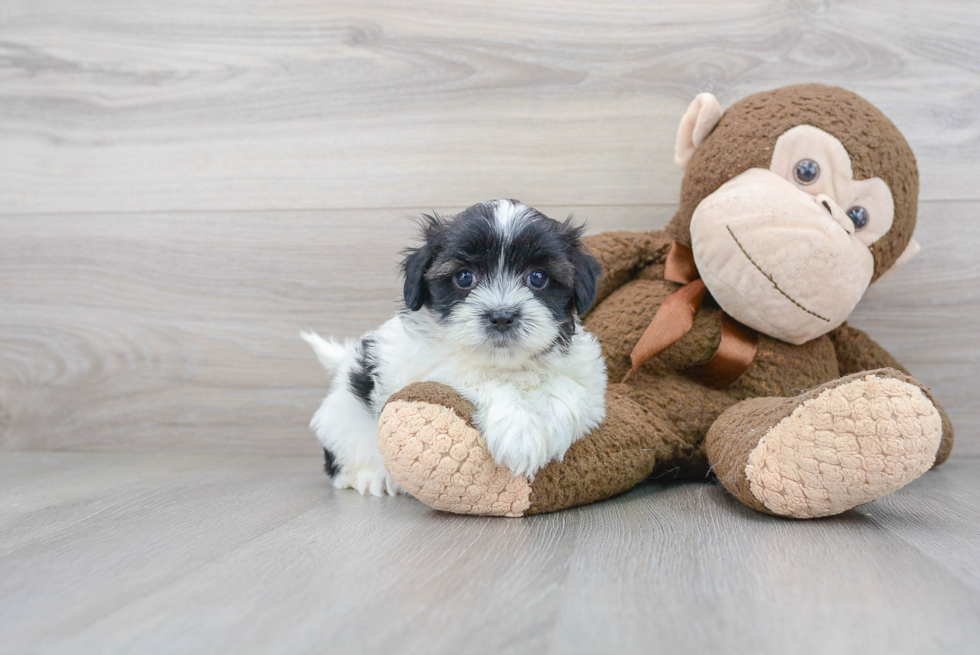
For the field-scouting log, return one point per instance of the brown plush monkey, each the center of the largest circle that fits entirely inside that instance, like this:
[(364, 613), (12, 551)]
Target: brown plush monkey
[(727, 331)]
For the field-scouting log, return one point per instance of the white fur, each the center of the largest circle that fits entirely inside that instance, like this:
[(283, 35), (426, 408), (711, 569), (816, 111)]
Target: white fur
[(509, 215), (529, 414), (533, 398), (330, 353), (345, 427)]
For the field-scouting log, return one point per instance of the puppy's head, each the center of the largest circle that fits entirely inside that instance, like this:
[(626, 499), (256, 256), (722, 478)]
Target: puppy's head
[(501, 279)]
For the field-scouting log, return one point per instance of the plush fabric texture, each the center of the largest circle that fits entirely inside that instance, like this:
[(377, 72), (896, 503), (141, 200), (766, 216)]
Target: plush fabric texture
[(837, 183), (664, 422), (843, 444), (746, 136), (856, 352), (656, 423), (617, 456), (849, 445), (699, 119), (439, 458), (428, 441), (439, 394), (752, 228)]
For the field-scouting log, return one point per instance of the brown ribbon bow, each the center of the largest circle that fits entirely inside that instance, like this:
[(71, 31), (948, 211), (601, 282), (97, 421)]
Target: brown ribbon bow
[(675, 318)]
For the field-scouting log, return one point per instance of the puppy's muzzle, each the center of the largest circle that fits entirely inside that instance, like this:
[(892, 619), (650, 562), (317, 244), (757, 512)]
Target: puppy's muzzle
[(502, 320)]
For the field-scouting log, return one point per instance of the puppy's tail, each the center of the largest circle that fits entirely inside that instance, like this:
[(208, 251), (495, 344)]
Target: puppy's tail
[(330, 353)]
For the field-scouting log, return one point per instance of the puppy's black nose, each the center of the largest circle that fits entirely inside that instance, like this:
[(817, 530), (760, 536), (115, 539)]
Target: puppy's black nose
[(502, 320)]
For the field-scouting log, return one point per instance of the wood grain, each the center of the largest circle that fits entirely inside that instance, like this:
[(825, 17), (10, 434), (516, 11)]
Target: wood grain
[(134, 314), (175, 553), (180, 331), (937, 516), (199, 105)]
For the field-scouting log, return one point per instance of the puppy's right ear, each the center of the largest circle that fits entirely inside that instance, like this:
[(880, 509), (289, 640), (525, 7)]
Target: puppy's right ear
[(417, 262), (587, 273)]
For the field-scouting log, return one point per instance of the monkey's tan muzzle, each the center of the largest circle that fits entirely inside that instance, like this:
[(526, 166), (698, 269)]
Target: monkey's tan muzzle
[(777, 259)]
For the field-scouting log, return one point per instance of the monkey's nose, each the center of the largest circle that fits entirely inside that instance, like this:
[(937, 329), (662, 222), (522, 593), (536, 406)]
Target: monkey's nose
[(502, 319), (835, 212)]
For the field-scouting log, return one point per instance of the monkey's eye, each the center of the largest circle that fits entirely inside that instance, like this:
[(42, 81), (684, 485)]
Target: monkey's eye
[(537, 280), (464, 279), (806, 171), (859, 215)]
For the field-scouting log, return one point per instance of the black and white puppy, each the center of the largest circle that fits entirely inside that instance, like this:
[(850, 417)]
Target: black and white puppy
[(491, 308)]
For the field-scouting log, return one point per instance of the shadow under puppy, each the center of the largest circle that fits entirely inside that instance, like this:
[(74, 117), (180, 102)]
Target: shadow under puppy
[(492, 301)]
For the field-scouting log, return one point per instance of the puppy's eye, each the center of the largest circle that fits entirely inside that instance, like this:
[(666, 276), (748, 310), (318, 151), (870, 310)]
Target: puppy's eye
[(537, 280), (464, 279), (859, 215), (806, 171)]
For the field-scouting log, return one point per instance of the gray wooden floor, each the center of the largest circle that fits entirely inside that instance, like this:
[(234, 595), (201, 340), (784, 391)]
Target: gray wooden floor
[(186, 184), (132, 553)]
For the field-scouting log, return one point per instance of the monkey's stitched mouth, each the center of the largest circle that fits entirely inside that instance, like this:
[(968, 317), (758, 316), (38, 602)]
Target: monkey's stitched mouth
[(769, 277)]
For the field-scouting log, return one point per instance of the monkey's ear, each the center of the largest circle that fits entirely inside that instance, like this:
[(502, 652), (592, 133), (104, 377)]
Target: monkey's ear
[(910, 251), (701, 116)]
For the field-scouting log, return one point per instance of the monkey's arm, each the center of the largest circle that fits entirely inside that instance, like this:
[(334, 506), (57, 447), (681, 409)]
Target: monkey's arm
[(623, 254), (857, 352)]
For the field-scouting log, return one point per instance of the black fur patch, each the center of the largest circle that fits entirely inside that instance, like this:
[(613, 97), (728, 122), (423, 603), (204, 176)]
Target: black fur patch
[(565, 332), (467, 241), (418, 261), (330, 466), (361, 377)]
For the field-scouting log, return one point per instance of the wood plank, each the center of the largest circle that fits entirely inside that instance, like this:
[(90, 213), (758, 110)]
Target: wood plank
[(182, 105), (258, 554), (110, 545), (343, 558), (180, 331), (687, 567), (940, 516)]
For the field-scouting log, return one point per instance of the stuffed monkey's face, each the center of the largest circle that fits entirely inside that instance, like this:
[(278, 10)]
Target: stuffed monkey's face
[(785, 250)]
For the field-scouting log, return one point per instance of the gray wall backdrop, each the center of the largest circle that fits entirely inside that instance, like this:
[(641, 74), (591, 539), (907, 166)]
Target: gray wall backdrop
[(184, 185)]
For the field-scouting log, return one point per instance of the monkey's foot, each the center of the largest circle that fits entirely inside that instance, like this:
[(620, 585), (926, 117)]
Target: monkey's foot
[(828, 450), (431, 448)]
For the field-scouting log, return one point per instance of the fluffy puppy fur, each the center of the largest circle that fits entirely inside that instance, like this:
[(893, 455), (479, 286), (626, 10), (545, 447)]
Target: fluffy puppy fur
[(492, 301)]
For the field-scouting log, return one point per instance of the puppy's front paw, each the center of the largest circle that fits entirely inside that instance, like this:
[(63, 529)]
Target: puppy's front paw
[(516, 439), (373, 479)]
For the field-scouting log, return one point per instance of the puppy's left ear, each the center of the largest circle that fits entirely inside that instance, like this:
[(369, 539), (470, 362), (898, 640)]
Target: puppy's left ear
[(587, 272)]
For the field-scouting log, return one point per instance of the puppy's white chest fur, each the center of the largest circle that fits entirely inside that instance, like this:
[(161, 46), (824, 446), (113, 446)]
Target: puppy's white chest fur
[(529, 411)]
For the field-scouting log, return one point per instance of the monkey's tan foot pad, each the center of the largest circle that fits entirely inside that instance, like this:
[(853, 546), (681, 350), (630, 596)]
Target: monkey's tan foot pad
[(437, 456), (845, 446)]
